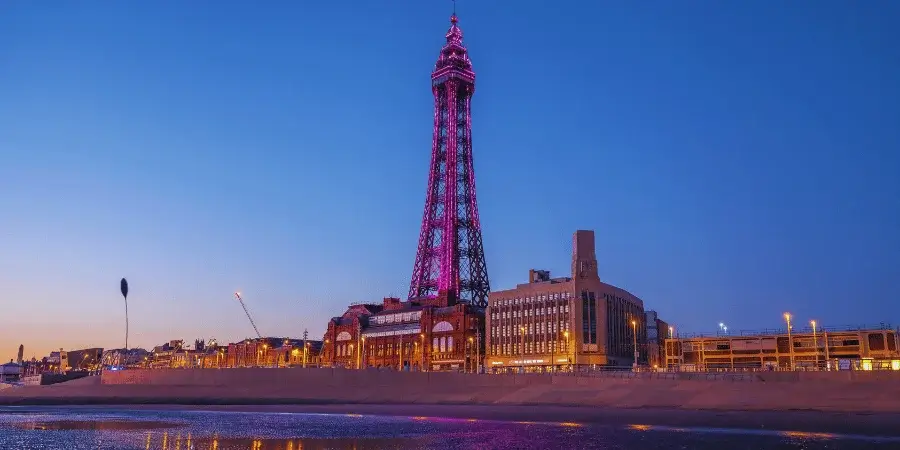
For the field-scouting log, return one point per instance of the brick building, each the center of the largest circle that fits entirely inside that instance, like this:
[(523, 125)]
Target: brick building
[(268, 352), (564, 323), (432, 334)]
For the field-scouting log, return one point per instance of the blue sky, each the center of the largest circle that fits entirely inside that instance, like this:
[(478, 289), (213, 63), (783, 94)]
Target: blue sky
[(736, 159)]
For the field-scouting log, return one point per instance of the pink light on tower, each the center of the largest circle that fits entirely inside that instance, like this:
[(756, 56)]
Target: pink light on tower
[(450, 254)]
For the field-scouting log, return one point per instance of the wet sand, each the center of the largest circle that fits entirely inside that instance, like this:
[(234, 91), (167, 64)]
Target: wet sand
[(867, 424)]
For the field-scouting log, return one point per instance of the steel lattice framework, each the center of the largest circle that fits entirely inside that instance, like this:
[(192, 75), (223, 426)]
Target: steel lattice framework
[(450, 254)]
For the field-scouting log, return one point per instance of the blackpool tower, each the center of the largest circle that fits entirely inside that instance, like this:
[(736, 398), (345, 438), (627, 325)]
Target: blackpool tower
[(450, 256)]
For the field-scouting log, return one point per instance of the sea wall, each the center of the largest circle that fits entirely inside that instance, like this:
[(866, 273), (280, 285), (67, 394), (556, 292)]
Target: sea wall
[(374, 377), (860, 392)]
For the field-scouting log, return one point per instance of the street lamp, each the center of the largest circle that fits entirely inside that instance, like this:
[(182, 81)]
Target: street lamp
[(568, 360), (522, 350), (634, 333), (422, 356), (351, 352), (305, 352), (815, 342), (478, 351), (787, 317), (471, 350)]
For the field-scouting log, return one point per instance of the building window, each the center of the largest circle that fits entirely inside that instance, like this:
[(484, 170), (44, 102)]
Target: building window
[(588, 318)]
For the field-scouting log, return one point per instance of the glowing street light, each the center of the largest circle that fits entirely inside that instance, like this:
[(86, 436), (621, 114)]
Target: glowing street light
[(522, 350), (634, 333), (815, 342), (787, 318)]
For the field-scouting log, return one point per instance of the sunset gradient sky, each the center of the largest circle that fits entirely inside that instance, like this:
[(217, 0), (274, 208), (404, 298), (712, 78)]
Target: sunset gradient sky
[(736, 159)]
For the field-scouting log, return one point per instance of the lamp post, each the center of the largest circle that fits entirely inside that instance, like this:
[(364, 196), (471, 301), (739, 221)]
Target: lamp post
[(350, 361), (471, 351), (522, 349), (553, 354), (478, 351), (815, 342), (123, 286), (787, 317), (568, 360), (634, 334), (361, 352), (305, 352), (359, 339), (422, 356)]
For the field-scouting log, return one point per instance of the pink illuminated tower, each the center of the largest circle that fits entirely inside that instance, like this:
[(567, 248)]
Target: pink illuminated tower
[(450, 256)]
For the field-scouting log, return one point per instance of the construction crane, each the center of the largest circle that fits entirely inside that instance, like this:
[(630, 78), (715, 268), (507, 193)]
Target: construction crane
[(238, 296)]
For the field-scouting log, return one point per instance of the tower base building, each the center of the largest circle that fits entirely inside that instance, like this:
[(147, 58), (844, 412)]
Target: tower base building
[(422, 334), (567, 323)]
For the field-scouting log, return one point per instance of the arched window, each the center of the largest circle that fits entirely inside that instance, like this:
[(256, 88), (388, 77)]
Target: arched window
[(443, 344), (343, 336), (442, 326), (435, 346), (450, 344)]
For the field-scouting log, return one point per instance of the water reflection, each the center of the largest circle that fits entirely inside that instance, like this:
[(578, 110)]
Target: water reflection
[(97, 425), (82, 429), (176, 442)]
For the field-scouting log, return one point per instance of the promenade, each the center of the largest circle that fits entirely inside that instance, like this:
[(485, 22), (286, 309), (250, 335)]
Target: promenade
[(866, 392)]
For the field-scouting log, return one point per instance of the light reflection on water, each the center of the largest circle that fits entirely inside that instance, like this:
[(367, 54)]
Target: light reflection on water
[(59, 428)]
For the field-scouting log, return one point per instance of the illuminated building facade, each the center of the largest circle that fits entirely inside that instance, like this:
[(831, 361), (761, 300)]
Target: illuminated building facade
[(861, 348), (268, 352), (430, 334), (565, 323)]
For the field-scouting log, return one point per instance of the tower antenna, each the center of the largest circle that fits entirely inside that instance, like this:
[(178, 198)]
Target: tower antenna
[(454, 7)]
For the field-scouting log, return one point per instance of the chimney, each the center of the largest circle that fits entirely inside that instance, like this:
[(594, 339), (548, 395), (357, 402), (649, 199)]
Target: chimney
[(584, 257), (538, 276)]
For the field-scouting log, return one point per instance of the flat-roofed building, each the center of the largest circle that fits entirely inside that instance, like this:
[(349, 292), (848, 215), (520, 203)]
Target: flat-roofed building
[(863, 348), (561, 323)]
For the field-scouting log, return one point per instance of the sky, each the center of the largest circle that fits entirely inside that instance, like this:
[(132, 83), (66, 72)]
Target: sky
[(736, 159)]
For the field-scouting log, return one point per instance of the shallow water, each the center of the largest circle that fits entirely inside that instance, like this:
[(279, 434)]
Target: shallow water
[(76, 429)]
